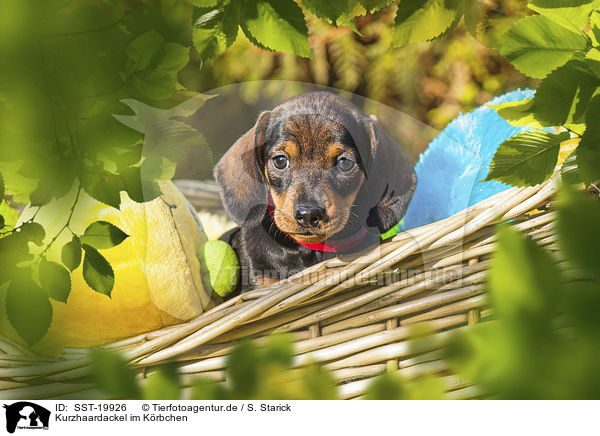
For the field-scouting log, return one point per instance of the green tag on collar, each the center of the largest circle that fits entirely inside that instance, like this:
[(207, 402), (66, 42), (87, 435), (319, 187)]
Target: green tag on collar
[(392, 232)]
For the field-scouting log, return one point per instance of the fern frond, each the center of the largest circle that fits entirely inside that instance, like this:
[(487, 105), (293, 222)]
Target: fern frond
[(348, 60)]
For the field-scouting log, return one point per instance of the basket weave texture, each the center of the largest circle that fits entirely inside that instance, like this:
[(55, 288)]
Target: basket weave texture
[(352, 316)]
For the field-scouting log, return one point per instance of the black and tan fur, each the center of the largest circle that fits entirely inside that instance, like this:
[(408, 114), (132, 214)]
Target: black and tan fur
[(315, 198)]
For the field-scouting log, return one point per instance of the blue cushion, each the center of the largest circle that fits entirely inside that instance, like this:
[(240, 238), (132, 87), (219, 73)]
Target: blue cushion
[(450, 170)]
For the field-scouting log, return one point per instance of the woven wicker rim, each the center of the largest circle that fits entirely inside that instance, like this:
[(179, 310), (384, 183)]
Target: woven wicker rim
[(335, 313)]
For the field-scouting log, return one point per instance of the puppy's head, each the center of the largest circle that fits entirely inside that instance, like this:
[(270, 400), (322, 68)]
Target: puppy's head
[(326, 168)]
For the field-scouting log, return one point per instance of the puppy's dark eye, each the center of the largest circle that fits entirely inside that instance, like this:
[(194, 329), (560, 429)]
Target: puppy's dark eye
[(345, 164), (280, 162)]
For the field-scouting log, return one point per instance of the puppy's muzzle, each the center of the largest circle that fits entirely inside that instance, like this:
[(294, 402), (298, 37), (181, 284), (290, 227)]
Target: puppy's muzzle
[(309, 216)]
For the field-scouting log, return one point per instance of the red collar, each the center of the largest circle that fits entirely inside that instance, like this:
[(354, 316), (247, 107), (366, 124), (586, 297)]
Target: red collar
[(331, 246), (338, 245)]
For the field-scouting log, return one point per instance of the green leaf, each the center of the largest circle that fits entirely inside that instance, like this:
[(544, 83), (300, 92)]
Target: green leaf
[(28, 307), (97, 272), (536, 45), (1, 188), (588, 152), (320, 383), (216, 30), (203, 3), (9, 214), (427, 387), (372, 6), (16, 185), (113, 375), (155, 65), (519, 113), (55, 280), (526, 159), (588, 162), (142, 49), (41, 195), (473, 12), (103, 186), (157, 85), (140, 186), (33, 232), (163, 384), (573, 15), (71, 253), (277, 25), (129, 157), (579, 233), (523, 281), (569, 171), (279, 349), (424, 20), (102, 234), (389, 386), (577, 128), (203, 389), (171, 58), (591, 136), (329, 11), (14, 249), (562, 97), (592, 61), (355, 9), (243, 369), (595, 28), (159, 80)]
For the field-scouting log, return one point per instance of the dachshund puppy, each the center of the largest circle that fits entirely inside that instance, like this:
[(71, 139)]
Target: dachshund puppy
[(314, 178)]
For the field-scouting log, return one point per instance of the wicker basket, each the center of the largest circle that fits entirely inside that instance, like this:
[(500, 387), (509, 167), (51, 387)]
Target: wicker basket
[(335, 311)]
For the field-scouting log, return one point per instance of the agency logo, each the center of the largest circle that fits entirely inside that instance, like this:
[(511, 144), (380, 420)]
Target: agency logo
[(26, 415)]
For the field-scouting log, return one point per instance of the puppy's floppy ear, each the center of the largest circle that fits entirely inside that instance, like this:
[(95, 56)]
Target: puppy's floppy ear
[(391, 179), (240, 177)]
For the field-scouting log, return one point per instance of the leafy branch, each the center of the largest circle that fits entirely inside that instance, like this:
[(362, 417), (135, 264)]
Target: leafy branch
[(280, 25), (53, 279), (561, 46), (18, 228), (65, 226), (58, 101)]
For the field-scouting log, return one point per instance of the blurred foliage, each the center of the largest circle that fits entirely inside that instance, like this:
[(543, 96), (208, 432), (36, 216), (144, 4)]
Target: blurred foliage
[(266, 372), (543, 342), (254, 372), (72, 64)]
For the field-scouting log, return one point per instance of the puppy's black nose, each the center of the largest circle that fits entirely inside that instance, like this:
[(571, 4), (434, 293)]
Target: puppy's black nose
[(309, 216)]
